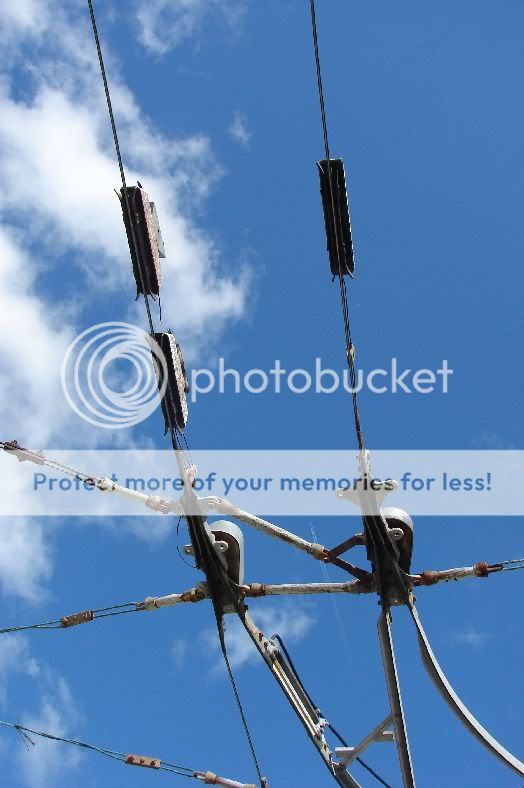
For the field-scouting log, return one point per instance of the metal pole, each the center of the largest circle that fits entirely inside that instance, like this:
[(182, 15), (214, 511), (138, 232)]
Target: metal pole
[(395, 699)]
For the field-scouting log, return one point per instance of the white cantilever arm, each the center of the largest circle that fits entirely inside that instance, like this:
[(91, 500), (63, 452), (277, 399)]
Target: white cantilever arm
[(154, 502), (200, 592), (225, 507)]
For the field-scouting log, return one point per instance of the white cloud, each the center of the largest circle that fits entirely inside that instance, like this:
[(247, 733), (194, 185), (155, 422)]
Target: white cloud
[(238, 129), (49, 762), (15, 658), (58, 171), (290, 621), (472, 637), (164, 24), (34, 340), (22, 18), (25, 558), (46, 763), (58, 209), (179, 652)]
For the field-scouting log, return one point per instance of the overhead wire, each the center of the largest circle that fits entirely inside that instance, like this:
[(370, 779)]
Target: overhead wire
[(124, 185), (373, 523), (513, 565), (172, 431), (62, 623), (342, 283), (119, 157), (26, 733), (216, 576), (174, 440), (379, 544), (334, 601)]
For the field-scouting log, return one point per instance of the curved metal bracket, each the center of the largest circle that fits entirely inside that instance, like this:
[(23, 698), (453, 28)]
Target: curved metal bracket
[(456, 705)]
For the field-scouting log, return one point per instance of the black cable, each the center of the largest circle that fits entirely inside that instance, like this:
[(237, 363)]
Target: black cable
[(217, 577), (174, 441), (342, 284), (374, 520), (119, 157), (238, 701), (308, 696), (188, 449), (126, 199), (293, 668)]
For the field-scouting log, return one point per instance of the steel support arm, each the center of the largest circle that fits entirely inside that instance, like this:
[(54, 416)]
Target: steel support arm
[(225, 507)]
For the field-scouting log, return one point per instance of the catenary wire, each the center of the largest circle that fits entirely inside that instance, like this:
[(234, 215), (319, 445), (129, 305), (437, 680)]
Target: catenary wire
[(342, 284), (174, 440), (172, 431), (119, 157)]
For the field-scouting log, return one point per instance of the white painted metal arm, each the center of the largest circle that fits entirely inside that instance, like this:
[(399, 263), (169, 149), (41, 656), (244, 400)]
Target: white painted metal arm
[(225, 507), (154, 502), (200, 592), (289, 589), (379, 734)]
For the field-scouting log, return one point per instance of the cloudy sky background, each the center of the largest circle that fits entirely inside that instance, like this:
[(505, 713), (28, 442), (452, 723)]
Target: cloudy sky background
[(217, 116)]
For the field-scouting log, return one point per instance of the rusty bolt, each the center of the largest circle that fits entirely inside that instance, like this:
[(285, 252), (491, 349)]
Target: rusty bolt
[(428, 578), (481, 569)]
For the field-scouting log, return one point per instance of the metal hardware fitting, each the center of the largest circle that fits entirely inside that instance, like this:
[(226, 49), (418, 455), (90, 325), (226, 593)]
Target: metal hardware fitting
[(77, 618), (143, 760)]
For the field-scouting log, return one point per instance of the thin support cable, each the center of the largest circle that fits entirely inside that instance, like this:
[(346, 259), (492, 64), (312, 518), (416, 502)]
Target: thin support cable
[(239, 702), (79, 618), (215, 575), (26, 733)]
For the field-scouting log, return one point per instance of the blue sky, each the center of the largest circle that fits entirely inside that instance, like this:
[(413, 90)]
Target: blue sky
[(218, 116)]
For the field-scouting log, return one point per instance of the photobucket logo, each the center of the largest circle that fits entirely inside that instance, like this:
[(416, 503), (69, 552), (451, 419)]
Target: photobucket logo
[(321, 380), (108, 376)]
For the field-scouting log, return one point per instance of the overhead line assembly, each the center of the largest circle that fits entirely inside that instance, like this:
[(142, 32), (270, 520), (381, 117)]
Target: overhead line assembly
[(227, 593), (218, 547)]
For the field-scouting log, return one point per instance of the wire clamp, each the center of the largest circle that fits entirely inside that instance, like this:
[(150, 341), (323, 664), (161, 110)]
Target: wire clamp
[(77, 618), (143, 760)]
